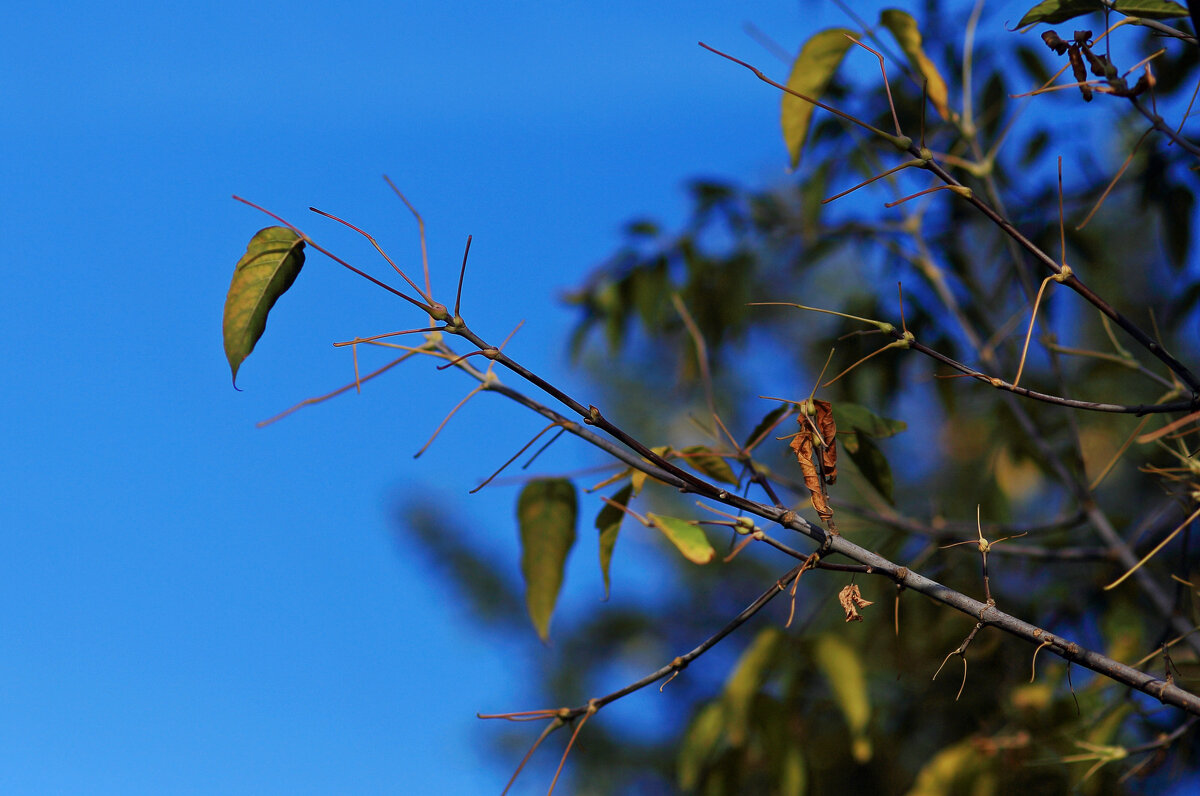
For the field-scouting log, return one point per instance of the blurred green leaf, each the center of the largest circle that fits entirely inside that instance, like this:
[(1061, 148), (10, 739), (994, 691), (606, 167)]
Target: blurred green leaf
[(272, 262), (843, 669), (745, 681), (546, 513)]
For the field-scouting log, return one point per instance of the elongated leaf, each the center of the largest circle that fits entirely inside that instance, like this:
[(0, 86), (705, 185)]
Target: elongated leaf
[(546, 513), (873, 465), (1054, 11), (850, 417), (688, 539), (904, 29), (768, 421), (843, 668), (745, 681), (1150, 9), (702, 459), (270, 265), (811, 73), (608, 523)]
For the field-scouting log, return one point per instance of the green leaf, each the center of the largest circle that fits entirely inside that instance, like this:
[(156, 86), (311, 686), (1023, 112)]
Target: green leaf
[(872, 464), (843, 668), (904, 29), (811, 73), (849, 416), (1053, 11), (270, 265), (702, 459), (689, 539), (745, 681), (608, 523), (1150, 9), (546, 513), (699, 744), (770, 419)]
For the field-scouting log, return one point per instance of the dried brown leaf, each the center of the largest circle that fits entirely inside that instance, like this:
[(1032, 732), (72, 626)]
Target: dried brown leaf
[(828, 427), (802, 444), (851, 599)]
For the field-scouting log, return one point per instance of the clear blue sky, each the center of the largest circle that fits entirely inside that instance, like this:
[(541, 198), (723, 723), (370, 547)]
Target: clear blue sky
[(193, 605)]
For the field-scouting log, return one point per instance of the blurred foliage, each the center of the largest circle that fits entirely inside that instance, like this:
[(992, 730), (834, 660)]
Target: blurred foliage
[(822, 706)]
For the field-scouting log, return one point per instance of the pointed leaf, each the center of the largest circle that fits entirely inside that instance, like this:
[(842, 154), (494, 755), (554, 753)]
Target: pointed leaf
[(768, 422), (1054, 11), (904, 29), (1150, 9), (688, 539), (270, 265), (873, 465), (811, 73), (702, 459), (746, 681), (852, 416), (608, 523), (843, 668), (546, 513)]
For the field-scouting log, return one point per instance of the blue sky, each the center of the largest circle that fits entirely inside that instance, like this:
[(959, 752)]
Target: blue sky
[(194, 605)]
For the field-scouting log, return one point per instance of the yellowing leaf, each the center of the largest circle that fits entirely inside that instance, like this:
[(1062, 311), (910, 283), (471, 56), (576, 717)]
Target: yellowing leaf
[(689, 539), (904, 28), (811, 73), (703, 460), (270, 265), (638, 479), (842, 667), (608, 523), (546, 513)]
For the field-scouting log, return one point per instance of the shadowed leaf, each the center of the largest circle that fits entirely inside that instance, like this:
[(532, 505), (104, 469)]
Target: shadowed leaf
[(873, 465), (1052, 11), (703, 460), (811, 73), (608, 523), (689, 539), (546, 513), (904, 29), (852, 417), (843, 668), (270, 265), (745, 681)]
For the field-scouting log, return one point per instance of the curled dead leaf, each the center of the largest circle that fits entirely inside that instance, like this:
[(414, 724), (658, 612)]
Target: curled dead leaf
[(851, 599), (802, 444), (828, 428)]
